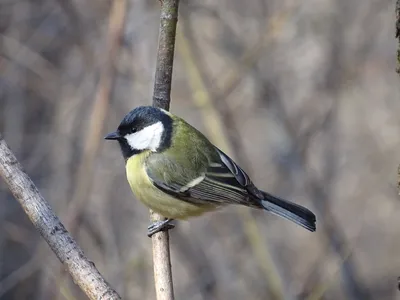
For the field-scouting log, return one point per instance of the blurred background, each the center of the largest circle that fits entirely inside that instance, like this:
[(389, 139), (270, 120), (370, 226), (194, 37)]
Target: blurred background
[(303, 94)]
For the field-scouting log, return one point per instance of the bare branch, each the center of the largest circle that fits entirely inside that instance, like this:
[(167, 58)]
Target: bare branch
[(162, 263), (161, 98), (82, 270), (165, 55)]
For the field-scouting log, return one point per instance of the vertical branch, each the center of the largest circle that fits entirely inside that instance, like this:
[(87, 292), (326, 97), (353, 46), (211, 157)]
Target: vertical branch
[(161, 98), (165, 54), (83, 271)]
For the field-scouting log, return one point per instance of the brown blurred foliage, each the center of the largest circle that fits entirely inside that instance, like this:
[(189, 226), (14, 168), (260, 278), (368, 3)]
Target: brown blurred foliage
[(303, 94)]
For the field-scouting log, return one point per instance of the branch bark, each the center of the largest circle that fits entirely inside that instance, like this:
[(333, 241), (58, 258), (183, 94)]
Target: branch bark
[(162, 98), (82, 270), (165, 55)]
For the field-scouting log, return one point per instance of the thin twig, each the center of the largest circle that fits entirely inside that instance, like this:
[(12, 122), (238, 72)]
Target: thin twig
[(83, 271), (162, 98)]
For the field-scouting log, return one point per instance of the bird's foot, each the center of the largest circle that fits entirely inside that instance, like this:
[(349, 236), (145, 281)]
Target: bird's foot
[(159, 226)]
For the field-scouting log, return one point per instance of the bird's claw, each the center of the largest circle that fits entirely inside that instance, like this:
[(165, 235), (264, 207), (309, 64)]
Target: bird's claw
[(159, 226)]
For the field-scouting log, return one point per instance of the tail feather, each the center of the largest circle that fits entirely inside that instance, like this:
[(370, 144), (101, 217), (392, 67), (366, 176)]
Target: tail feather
[(290, 211)]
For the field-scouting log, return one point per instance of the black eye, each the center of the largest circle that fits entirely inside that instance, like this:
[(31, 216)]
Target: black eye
[(124, 130)]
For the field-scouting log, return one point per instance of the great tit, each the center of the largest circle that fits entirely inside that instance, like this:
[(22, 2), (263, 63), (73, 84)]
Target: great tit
[(177, 172)]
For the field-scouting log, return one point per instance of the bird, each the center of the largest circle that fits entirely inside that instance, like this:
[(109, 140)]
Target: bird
[(173, 169)]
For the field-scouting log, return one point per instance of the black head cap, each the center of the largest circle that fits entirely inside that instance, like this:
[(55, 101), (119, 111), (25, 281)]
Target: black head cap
[(138, 119)]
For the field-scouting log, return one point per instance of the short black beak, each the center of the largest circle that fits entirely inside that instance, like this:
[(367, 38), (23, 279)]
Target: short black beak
[(112, 136)]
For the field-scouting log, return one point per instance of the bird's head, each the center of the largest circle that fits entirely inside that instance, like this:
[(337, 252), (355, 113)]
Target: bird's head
[(144, 128)]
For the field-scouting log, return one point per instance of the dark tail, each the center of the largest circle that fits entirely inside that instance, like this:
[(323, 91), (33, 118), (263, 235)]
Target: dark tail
[(291, 211)]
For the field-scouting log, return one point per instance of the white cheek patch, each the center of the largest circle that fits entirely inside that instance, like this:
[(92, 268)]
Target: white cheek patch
[(147, 138)]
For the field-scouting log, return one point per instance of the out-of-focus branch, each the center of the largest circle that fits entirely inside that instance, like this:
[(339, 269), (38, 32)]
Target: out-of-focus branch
[(233, 76), (99, 112), (84, 177), (83, 271), (78, 35), (215, 129), (161, 98), (250, 57), (25, 271), (319, 196)]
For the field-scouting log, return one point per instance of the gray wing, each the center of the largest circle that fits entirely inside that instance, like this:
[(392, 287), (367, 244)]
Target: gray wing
[(222, 182)]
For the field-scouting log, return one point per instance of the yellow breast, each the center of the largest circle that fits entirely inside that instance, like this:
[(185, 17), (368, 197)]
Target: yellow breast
[(155, 199)]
